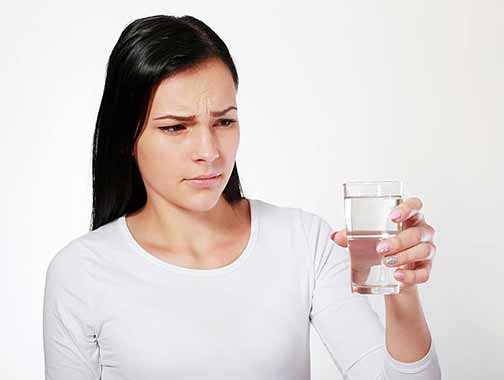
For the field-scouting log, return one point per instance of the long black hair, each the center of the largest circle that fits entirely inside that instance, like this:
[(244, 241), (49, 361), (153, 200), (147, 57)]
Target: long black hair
[(149, 50)]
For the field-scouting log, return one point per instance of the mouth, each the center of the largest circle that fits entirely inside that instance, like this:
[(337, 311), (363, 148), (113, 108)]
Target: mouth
[(204, 177), (205, 182)]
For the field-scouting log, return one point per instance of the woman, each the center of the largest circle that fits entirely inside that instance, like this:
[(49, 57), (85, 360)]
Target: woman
[(183, 278)]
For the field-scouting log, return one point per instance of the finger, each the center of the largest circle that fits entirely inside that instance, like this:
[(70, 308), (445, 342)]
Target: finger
[(340, 238), (415, 220), (406, 209), (415, 276), (419, 252), (406, 239)]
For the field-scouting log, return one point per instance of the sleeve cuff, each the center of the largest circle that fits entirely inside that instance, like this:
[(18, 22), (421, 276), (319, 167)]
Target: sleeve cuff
[(412, 367)]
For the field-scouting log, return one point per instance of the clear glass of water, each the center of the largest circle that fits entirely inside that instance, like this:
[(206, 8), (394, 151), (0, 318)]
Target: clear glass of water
[(367, 209)]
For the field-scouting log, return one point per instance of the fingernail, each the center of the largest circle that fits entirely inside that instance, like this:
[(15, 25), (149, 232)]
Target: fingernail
[(388, 260), (395, 214), (383, 246), (399, 276)]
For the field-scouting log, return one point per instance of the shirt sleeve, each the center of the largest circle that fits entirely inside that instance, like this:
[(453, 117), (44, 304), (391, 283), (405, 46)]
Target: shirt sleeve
[(346, 323), (70, 345)]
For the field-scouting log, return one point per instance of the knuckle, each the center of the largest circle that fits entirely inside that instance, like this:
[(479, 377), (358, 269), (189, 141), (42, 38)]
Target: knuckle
[(419, 201), (422, 275), (426, 250), (423, 234), (417, 234), (430, 230), (414, 202), (425, 276), (432, 250)]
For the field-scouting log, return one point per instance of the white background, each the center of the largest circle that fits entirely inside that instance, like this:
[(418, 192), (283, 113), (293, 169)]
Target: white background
[(329, 92)]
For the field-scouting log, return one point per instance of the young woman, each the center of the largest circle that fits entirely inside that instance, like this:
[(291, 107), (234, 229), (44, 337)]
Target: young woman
[(185, 278)]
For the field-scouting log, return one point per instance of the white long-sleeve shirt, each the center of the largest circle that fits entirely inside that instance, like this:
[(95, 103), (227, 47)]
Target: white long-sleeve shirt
[(114, 311)]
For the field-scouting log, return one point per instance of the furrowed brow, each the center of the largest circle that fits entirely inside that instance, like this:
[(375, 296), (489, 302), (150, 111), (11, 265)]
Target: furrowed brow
[(192, 117)]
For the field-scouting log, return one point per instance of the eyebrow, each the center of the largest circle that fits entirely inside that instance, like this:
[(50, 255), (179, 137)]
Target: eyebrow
[(192, 117)]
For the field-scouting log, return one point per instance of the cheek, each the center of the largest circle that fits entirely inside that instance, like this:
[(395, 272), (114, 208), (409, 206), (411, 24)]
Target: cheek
[(229, 148), (158, 162), (231, 143)]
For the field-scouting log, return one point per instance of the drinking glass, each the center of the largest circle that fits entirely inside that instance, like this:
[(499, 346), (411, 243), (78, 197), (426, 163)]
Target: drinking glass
[(367, 208)]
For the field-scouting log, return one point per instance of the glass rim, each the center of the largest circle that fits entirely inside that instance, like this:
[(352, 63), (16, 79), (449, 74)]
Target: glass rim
[(369, 182), (353, 189)]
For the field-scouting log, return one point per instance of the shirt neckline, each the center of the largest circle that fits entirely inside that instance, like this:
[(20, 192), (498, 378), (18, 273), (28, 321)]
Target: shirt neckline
[(138, 249)]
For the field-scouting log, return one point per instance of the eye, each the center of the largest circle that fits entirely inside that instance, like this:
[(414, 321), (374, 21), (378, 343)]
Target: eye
[(174, 128), (229, 121)]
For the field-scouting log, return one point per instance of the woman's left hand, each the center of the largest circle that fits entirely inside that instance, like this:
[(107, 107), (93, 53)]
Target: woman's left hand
[(411, 248)]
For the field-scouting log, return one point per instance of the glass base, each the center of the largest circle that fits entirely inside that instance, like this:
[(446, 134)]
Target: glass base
[(375, 289)]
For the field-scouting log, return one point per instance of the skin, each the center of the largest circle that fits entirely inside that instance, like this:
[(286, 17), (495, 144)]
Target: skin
[(179, 223), (408, 338), (197, 228)]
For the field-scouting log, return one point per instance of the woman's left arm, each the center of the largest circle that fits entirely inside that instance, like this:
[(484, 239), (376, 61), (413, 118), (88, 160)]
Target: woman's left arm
[(408, 337)]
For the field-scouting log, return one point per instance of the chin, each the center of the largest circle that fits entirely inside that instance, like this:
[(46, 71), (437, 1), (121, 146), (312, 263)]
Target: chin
[(201, 201)]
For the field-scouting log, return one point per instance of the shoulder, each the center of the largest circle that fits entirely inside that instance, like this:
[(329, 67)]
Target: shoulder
[(306, 221), (72, 260), (307, 230), (68, 264), (275, 213)]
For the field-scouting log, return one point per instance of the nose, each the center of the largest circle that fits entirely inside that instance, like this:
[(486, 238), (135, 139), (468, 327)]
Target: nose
[(206, 146)]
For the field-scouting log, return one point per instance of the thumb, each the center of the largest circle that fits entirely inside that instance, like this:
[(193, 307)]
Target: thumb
[(340, 238)]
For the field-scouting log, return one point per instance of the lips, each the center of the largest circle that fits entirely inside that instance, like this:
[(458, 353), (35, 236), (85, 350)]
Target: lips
[(209, 183), (207, 176)]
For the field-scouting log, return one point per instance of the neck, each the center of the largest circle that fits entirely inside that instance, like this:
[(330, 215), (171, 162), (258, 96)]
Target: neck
[(179, 229)]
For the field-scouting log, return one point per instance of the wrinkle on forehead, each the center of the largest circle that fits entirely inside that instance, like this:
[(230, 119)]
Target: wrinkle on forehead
[(198, 91)]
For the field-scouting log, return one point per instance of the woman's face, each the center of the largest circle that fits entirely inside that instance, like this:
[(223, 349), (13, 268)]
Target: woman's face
[(170, 151)]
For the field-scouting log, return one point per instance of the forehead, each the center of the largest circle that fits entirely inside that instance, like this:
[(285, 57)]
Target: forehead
[(208, 84)]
